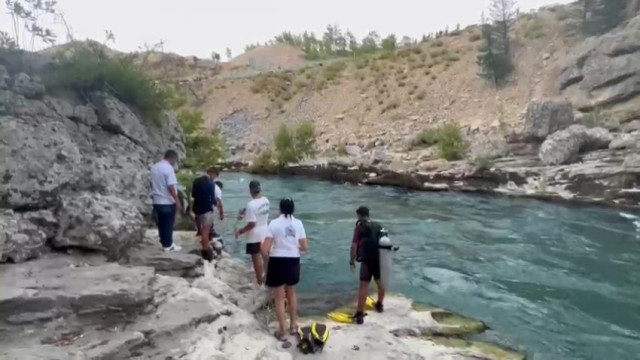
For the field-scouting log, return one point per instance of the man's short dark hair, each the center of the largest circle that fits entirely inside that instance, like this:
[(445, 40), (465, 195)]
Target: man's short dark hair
[(254, 187), (212, 170), (219, 183), (363, 211), (171, 154)]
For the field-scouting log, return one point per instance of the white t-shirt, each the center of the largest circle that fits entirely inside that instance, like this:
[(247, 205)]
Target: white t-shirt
[(162, 176), (218, 192), (286, 233), (258, 212)]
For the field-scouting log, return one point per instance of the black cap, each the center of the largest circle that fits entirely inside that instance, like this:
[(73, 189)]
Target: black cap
[(363, 211), (254, 186)]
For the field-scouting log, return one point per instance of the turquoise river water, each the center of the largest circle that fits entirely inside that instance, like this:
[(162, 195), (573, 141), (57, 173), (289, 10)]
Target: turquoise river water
[(553, 281)]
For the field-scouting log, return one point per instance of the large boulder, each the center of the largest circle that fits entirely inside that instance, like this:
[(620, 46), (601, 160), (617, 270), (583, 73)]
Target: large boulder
[(27, 86), (563, 147), (632, 161), (604, 72), (626, 141), (55, 148), (545, 117), (353, 150), (24, 236), (4, 78), (99, 222)]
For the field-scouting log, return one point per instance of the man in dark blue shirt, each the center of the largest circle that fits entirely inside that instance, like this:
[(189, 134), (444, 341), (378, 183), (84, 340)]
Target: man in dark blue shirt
[(204, 200)]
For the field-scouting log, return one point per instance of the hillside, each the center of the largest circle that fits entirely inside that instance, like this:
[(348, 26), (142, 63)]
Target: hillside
[(388, 100)]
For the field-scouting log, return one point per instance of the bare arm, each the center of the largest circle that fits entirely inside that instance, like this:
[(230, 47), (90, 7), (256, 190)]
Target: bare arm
[(174, 194), (220, 208), (304, 244), (265, 248), (247, 228)]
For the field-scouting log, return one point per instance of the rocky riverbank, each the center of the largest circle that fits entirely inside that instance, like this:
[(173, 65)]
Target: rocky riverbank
[(554, 157), (77, 305)]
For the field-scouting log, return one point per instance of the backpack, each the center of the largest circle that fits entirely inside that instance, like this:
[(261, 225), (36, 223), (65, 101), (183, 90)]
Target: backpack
[(312, 338), (369, 233)]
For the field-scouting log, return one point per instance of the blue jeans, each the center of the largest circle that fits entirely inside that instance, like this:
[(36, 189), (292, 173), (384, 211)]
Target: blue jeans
[(165, 219)]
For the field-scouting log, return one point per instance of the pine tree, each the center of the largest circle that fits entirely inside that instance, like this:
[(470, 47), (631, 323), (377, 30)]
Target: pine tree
[(495, 64), (503, 14)]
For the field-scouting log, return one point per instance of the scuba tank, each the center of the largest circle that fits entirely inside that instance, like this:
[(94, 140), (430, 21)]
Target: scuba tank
[(386, 250)]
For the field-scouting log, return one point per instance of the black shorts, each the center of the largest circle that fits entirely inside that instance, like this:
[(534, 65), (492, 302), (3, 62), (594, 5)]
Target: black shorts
[(369, 270), (283, 271), (253, 248)]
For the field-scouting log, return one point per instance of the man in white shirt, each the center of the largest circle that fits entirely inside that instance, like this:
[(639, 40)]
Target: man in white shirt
[(257, 214), (164, 194)]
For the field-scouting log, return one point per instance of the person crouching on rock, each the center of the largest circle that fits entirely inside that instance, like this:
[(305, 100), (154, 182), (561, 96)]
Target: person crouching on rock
[(164, 195), (204, 200), (364, 248), (257, 216), (283, 244)]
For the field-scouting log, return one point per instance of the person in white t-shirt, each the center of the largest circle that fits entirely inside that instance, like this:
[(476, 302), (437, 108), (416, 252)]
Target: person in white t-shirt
[(257, 215), (283, 244)]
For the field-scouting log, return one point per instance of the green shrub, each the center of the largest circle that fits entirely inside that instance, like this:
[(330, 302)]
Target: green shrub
[(451, 57), (291, 146), (305, 139), (421, 95), (87, 67), (450, 144), (416, 50), (534, 29), (438, 43), (342, 149), (284, 144), (483, 162), (263, 162), (333, 70), (185, 178), (594, 118), (425, 138), (202, 149)]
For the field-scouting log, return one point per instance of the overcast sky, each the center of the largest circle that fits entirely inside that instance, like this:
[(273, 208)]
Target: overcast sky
[(198, 27)]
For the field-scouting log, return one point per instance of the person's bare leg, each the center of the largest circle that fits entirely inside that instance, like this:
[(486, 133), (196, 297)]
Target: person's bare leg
[(363, 292), (265, 266), (257, 267), (279, 295), (292, 299), (381, 291), (204, 236)]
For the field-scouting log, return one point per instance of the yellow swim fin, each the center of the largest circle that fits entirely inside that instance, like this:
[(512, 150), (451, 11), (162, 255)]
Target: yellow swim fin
[(340, 317), (371, 303)]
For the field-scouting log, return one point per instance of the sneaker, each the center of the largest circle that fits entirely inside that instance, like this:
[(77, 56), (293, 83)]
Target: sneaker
[(173, 247), (359, 318), (379, 307)]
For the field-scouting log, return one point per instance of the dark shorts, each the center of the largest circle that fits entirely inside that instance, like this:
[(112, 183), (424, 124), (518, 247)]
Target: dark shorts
[(283, 271), (369, 270), (253, 248)]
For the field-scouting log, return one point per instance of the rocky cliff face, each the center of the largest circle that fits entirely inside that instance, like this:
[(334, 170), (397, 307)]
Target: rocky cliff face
[(74, 173), (604, 73)]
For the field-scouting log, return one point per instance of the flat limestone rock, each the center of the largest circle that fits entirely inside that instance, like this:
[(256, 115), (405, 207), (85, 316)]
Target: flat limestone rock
[(42, 290), (405, 330)]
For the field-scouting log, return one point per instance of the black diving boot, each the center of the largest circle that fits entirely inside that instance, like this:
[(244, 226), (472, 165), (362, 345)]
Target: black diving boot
[(379, 307), (359, 318)]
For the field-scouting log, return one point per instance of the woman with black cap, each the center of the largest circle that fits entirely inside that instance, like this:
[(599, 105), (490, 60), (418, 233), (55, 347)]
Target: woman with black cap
[(283, 245)]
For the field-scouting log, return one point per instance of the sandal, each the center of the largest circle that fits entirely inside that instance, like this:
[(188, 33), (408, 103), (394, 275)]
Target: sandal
[(282, 338), (293, 330)]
